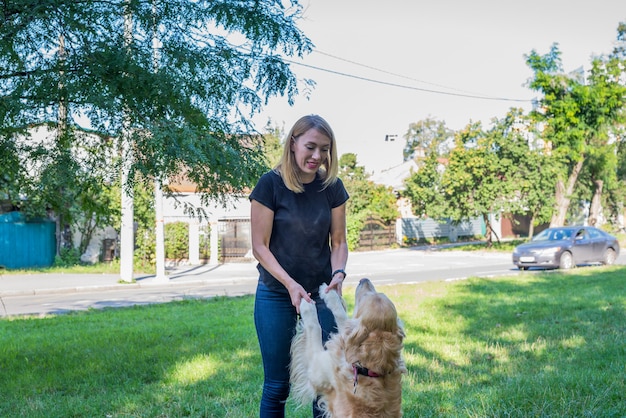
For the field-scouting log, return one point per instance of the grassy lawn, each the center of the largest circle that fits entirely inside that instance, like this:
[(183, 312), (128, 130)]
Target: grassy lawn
[(98, 268), (535, 345)]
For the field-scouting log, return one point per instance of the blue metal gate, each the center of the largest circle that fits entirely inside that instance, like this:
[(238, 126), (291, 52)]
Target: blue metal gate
[(26, 244)]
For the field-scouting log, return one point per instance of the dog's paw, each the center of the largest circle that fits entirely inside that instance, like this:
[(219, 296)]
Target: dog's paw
[(307, 309), (328, 296), (322, 289), (332, 299)]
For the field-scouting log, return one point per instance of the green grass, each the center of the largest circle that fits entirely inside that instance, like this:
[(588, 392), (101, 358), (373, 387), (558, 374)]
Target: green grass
[(502, 246), (112, 267), (534, 345)]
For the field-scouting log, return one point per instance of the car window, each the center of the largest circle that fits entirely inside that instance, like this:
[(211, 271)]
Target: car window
[(595, 233), (542, 236), (582, 234), (552, 234)]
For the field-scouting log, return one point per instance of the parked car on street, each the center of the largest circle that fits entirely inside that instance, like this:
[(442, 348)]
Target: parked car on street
[(566, 247)]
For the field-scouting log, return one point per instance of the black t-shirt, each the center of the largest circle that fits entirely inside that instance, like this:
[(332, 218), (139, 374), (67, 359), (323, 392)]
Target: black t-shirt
[(301, 230)]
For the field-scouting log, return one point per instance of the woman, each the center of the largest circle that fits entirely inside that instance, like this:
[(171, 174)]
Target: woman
[(295, 208)]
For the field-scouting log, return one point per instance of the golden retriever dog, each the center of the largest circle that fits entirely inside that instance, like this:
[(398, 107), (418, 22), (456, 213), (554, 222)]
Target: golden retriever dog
[(358, 373)]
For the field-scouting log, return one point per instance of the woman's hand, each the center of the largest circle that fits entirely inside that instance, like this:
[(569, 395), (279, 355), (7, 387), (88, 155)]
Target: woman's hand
[(297, 293), (336, 283)]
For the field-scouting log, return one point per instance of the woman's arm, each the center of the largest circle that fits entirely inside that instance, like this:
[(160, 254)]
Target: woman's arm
[(261, 220), (338, 246)]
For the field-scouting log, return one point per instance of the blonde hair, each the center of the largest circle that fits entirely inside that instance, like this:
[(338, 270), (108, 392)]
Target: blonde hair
[(288, 168)]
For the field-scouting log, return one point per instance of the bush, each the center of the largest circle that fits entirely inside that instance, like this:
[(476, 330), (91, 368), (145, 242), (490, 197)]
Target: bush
[(177, 240), (145, 250), (69, 257), (354, 226), (205, 242)]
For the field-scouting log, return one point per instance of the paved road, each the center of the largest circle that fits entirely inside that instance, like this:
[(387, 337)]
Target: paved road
[(51, 294)]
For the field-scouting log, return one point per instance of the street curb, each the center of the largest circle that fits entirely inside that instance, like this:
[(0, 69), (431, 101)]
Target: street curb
[(123, 286)]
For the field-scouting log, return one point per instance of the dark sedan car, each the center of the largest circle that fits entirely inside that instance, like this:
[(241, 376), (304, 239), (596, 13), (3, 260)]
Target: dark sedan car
[(566, 247)]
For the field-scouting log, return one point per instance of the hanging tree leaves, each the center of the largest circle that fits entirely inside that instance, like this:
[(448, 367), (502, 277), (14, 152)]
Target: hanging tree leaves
[(217, 63), (577, 115)]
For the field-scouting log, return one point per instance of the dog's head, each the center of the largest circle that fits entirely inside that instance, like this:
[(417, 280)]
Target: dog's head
[(375, 334)]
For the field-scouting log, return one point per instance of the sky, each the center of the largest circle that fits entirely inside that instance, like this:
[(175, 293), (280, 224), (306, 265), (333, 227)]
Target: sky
[(380, 66)]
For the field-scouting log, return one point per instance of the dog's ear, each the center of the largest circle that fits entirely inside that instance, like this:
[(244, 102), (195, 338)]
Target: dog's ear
[(356, 333), (400, 330), (381, 351)]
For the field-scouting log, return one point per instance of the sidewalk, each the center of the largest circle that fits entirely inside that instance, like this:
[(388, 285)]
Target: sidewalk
[(47, 283)]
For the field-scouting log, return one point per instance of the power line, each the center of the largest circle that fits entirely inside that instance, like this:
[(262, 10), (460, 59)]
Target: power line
[(387, 83), (392, 73)]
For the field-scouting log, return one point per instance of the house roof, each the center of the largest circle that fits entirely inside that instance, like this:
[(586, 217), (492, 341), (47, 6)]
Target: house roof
[(394, 177)]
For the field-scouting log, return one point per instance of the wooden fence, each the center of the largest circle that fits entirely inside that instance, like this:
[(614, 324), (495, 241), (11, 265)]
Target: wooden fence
[(376, 235)]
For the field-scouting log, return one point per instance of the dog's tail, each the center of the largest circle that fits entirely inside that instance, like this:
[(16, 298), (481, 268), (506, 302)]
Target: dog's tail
[(301, 388)]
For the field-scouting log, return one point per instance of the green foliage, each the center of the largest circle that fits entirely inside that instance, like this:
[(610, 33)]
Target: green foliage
[(144, 256), (272, 144), (427, 136), (68, 257), (616, 193), (383, 204), (568, 147), (145, 235), (525, 168), (475, 182), (176, 240), (95, 78), (576, 115), (498, 170), (205, 242), (366, 198), (354, 226), (423, 188)]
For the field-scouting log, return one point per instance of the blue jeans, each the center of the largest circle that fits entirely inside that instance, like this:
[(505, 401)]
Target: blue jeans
[(275, 320)]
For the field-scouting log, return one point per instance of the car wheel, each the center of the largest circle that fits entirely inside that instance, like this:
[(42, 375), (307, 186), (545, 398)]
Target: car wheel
[(566, 261), (609, 257)]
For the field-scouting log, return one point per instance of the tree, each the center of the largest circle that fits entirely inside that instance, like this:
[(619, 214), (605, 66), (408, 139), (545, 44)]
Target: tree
[(618, 195), (617, 191), (493, 172), (619, 51), (473, 182), (576, 117), (535, 182), (273, 144), (366, 198), (73, 66), (427, 136), (527, 168), (423, 188)]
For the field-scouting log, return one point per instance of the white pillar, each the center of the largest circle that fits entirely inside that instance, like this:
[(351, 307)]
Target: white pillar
[(127, 233), (214, 259), (159, 233), (194, 242)]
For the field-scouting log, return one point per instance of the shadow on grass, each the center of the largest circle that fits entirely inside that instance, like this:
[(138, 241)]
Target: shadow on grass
[(190, 358), (530, 345), (548, 344)]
